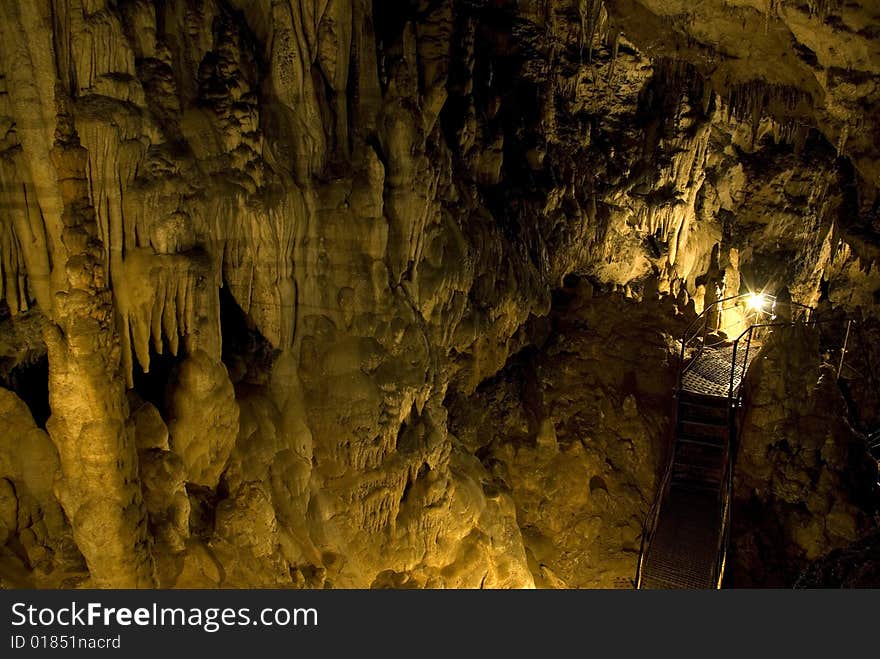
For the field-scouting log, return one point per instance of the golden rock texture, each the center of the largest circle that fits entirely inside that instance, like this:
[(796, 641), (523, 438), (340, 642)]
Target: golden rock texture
[(576, 430), (265, 247), (802, 478)]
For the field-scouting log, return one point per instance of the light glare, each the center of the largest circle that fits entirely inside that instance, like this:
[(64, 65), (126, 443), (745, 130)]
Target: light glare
[(757, 301)]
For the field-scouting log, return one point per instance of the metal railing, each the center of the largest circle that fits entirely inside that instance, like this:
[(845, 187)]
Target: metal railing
[(740, 365), (649, 526), (650, 523), (725, 497), (873, 443), (695, 338)]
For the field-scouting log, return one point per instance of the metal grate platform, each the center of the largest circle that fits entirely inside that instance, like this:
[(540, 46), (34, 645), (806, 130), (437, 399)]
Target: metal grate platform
[(710, 373), (685, 546)]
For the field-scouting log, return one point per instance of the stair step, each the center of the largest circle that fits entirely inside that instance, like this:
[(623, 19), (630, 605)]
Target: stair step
[(697, 429), (697, 473), (683, 549), (694, 485), (700, 455), (710, 467), (705, 419), (703, 413), (684, 485), (703, 400), (699, 439)]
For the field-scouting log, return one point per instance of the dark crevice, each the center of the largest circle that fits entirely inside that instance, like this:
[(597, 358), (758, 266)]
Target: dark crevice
[(152, 386), (246, 353), (30, 382)]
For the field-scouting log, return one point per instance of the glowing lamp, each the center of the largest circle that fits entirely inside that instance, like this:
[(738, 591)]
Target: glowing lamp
[(757, 301)]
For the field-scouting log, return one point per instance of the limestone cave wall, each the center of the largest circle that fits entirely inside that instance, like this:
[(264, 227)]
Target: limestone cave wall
[(349, 293)]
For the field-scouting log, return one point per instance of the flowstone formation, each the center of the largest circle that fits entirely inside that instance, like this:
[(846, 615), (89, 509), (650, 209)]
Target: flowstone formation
[(575, 428), (351, 293)]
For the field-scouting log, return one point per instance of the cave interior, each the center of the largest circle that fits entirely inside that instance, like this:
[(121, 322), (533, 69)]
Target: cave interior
[(439, 293)]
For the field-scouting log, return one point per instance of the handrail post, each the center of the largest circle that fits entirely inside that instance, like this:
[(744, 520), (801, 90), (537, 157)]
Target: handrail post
[(706, 325), (843, 350), (732, 372), (745, 362), (684, 341)]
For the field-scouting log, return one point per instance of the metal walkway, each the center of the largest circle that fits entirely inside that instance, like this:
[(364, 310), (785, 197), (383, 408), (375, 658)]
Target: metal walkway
[(685, 536), (684, 542), (710, 372), (687, 545)]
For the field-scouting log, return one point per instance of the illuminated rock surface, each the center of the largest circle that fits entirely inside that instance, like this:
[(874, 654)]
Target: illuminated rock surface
[(357, 293)]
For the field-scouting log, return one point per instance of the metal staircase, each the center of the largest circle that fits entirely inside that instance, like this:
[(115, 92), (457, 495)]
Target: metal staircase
[(688, 538), (684, 542)]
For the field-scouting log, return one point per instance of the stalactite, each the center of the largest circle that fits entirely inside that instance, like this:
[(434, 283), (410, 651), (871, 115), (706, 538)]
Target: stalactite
[(823, 8), (614, 35), (13, 281), (841, 141), (592, 13), (794, 133), (162, 301), (384, 249), (757, 99), (681, 80), (582, 35)]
